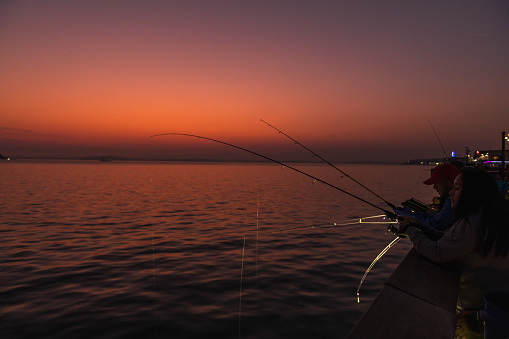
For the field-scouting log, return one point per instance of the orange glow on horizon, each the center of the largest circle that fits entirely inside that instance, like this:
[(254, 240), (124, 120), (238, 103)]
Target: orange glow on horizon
[(338, 77)]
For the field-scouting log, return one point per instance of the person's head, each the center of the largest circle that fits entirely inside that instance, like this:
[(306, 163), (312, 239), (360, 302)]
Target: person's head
[(455, 191), (442, 178), (473, 189), (476, 191)]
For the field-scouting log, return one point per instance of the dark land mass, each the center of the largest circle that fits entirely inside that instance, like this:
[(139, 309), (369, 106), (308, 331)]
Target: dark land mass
[(109, 158)]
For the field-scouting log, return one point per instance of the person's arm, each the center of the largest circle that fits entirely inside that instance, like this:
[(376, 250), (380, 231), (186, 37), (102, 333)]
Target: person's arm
[(430, 232), (456, 242), (441, 220)]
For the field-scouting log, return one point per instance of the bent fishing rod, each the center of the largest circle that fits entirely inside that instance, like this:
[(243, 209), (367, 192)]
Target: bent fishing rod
[(389, 214), (327, 162)]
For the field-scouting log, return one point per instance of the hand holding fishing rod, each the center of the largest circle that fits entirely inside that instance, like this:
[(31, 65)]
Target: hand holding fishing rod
[(404, 222)]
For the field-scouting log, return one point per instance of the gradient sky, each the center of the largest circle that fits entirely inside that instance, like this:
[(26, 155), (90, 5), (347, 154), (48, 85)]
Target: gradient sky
[(352, 80)]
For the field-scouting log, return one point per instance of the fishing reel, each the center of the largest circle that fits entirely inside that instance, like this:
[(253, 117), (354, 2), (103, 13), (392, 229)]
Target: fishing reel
[(390, 227), (418, 206)]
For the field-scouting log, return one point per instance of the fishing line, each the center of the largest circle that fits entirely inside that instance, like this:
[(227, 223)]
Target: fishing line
[(240, 292), (327, 162), (388, 213), (153, 265), (256, 264), (388, 247), (256, 249)]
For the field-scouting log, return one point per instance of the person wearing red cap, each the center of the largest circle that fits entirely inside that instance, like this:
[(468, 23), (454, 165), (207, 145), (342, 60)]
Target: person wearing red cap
[(442, 179)]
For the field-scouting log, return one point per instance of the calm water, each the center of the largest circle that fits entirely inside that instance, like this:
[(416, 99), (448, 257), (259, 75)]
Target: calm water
[(161, 250)]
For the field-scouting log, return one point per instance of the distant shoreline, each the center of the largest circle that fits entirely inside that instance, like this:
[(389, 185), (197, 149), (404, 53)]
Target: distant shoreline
[(125, 159)]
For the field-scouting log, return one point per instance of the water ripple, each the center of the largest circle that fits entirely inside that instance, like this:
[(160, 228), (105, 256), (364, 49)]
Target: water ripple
[(156, 250)]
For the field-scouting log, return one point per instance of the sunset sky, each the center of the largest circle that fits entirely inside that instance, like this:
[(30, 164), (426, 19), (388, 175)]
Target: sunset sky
[(352, 80)]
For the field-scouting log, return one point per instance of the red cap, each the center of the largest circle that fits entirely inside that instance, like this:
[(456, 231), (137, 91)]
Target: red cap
[(441, 172)]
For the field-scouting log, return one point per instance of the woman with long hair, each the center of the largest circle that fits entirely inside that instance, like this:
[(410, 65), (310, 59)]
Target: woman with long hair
[(478, 241)]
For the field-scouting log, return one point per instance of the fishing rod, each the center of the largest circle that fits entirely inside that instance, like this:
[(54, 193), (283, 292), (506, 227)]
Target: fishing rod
[(388, 247), (440, 142), (327, 162), (335, 224), (389, 214)]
